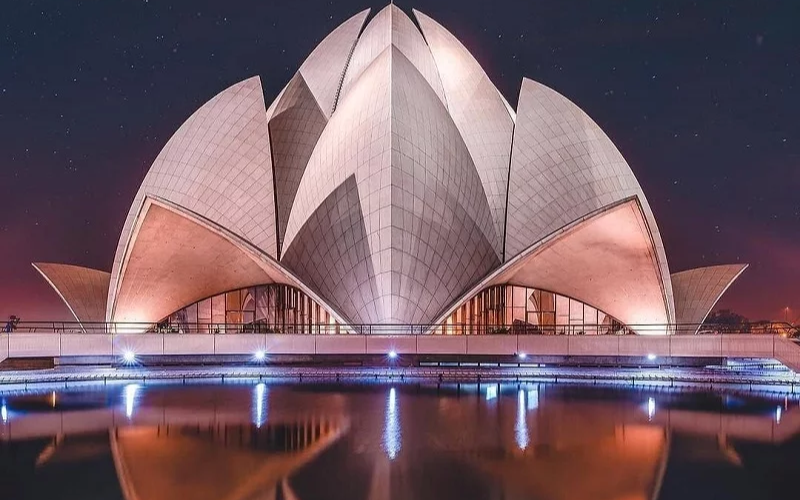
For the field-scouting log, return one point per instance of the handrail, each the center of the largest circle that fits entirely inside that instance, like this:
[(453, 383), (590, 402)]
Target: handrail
[(775, 328)]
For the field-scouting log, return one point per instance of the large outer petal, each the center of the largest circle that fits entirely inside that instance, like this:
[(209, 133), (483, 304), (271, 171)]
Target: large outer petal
[(698, 290), (391, 26), (217, 165), (563, 166), (422, 211), (178, 257), (479, 112), (605, 259), (82, 289)]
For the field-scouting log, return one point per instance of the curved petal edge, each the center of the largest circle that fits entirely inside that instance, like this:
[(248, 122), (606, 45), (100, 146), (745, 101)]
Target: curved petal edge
[(324, 68)]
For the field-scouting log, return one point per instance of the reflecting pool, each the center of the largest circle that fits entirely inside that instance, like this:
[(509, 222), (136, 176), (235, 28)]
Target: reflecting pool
[(302, 441)]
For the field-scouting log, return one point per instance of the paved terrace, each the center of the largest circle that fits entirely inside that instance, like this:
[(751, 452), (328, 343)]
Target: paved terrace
[(50, 344)]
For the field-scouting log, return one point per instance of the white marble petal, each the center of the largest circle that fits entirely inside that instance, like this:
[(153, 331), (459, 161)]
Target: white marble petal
[(480, 113), (217, 165), (563, 166), (82, 289), (391, 26), (324, 68), (698, 290)]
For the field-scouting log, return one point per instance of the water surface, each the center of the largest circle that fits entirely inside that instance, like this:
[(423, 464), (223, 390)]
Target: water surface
[(307, 441)]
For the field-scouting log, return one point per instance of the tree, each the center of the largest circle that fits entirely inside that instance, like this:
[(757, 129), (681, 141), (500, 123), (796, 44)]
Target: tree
[(726, 321)]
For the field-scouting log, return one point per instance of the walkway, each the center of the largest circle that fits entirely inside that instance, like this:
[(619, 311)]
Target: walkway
[(718, 378), (650, 348)]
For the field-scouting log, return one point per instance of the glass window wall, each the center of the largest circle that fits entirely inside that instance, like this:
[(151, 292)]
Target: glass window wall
[(259, 309), (518, 309), (497, 309)]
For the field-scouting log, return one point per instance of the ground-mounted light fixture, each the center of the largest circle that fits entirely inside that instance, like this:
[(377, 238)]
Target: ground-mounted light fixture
[(129, 357)]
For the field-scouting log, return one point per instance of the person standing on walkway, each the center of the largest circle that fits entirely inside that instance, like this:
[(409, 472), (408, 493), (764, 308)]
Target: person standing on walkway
[(11, 325)]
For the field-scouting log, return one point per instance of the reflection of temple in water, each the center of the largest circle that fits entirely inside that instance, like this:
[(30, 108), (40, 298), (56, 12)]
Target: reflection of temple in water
[(233, 463), (541, 442), (227, 462), (152, 446), (382, 443), (479, 446)]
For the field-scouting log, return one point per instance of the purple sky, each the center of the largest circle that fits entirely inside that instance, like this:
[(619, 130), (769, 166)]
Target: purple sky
[(701, 97)]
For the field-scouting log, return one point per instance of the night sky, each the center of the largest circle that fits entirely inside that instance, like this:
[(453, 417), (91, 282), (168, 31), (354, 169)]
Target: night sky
[(702, 97)]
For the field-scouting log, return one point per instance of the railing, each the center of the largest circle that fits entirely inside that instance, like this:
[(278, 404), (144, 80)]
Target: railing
[(774, 328)]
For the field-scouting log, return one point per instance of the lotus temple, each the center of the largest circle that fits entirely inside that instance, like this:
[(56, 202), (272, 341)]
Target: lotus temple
[(390, 184)]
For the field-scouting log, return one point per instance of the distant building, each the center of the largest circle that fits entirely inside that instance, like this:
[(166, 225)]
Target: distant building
[(391, 183)]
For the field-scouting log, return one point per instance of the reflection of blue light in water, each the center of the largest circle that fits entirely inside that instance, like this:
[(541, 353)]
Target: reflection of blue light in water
[(651, 408), (491, 392), (391, 430), (778, 415), (521, 427), (130, 398), (533, 399), (260, 404)]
